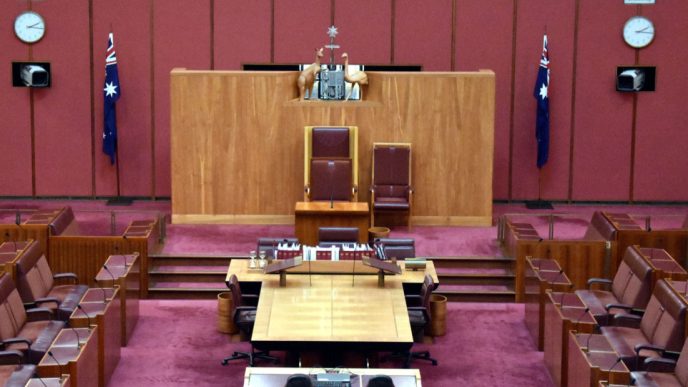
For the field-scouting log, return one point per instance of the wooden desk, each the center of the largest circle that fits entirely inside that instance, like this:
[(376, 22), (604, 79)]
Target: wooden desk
[(591, 359), (542, 276), (80, 364), (239, 267), (106, 315), (126, 269), (563, 314), (49, 382), (277, 376), (332, 315), (310, 216)]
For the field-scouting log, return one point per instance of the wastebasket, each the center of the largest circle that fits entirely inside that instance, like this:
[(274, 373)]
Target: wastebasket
[(438, 315), (225, 324), (378, 232)]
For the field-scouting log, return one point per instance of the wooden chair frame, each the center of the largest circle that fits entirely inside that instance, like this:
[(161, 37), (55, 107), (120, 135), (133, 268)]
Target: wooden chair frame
[(372, 179), (308, 155)]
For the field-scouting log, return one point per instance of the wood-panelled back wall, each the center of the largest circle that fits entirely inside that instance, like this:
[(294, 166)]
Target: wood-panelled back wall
[(604, 145)]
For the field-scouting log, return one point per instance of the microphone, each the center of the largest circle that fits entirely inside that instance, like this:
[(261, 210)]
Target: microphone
[(124, 236), (614, 365), (330, 168), (102, 290), (587, 343), (585, 311), (78, 339), (50, 353), (37, 376), (85, 314), (111, 275)]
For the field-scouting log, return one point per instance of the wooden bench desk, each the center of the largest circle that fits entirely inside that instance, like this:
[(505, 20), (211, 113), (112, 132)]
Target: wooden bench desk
[(310, 216)]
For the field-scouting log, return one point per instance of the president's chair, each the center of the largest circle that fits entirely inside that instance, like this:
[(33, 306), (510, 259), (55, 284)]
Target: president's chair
[(244, 317), (391, 190), (331, 163)]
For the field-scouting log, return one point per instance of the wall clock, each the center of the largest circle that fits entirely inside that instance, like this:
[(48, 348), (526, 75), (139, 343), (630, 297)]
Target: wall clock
[(638, 32), (29, 27)]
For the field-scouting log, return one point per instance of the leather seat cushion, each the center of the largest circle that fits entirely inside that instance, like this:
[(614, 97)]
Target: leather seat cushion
[(391, 203), (596, 300), (624, 340), (42, 334), (655, 379), (20, 376), (70, 295)]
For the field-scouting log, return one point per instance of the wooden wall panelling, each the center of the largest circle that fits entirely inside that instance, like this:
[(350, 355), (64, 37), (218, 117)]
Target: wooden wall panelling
[(85, 255), (675, 242), (23, 232), (223, 172)]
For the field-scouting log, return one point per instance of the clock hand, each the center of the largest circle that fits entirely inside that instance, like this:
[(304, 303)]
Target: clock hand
[(35, 28), (643, 32)]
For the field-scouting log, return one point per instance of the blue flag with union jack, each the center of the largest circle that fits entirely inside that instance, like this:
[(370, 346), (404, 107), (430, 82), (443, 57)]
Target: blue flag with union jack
[(111, 93), (541, 95)]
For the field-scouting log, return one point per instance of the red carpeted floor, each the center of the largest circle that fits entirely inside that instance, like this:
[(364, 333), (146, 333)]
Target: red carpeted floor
[(176, 343)]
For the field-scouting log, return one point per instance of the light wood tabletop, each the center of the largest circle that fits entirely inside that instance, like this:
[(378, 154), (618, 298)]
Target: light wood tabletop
[(324, 310)]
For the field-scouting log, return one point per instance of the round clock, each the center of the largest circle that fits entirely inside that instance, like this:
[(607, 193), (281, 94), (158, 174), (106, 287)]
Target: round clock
[(29, 27), (638, 32)]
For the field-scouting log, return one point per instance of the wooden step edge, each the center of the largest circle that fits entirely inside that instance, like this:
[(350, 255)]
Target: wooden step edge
[(468, 291), (486, 258), (476, 275), (197, 256), (154, 271), (182, 290)]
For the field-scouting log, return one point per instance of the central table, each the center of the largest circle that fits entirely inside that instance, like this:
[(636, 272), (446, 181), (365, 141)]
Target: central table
[(328, 312)]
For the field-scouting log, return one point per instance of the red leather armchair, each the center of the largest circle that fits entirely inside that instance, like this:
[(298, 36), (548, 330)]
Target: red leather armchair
[(331, 163), (391, 190), (665, 371), (37, 287), (662, 328), (630, 289)]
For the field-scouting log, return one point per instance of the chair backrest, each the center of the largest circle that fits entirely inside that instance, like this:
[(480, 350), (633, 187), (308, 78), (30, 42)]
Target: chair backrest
[(330, 142), (328, 236), (600, 227), (236, 292), (633, 280), (664, 321), (399, 248), (426, 291), (12, 313), (34, 277), (331, 179), (298, 380), (391, 170), (380, 381)]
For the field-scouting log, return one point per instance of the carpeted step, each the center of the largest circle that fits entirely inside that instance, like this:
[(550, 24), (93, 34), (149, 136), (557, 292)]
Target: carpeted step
[(472, 262), (477, 293), (164, 269), (503, 279), (185, 290)]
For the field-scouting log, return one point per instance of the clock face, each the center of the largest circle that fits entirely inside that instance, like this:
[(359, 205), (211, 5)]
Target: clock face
[(638, 32), (29, 27)]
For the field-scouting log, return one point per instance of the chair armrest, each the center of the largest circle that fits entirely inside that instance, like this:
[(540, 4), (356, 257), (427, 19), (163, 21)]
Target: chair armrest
[(625, 307), (627, 320), (649, 347), (39, 314), (44, 300), (659, 364), (422, 309), (245, 308), (66, 276), (17, 340), (9, 357), (250, 299), (599, 281), (413, 300)]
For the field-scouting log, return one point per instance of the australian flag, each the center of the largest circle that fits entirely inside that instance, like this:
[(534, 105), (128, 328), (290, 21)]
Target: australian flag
[(111, 93), (541, 95)]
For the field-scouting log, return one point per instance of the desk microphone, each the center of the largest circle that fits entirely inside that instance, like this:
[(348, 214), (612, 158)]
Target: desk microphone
[(37, 376), (111, 275), (102, 290), (78, 339), (124, 236), (614, 365), (50, 353), (585, 311), (85, 314)]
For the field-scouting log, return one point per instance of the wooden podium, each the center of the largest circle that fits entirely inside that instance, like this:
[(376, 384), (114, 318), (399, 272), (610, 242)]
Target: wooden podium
[(310, 216)]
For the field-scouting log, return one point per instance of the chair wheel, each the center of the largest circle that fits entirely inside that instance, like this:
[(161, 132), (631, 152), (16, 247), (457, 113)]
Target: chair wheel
[(434, 362)]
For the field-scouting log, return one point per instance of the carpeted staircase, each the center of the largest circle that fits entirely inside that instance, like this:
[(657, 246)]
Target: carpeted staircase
[(202, 276)]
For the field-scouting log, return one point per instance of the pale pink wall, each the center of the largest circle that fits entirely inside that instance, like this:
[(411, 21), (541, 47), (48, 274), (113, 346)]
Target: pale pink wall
[(421, 34)]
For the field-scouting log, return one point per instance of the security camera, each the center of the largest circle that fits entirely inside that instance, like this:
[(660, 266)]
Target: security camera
[(631, 80), (34, 76)]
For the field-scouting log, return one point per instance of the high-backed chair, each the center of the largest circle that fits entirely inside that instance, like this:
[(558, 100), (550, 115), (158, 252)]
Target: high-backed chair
[(661, 328), (29, 331), (665, 371), (391, 190), (244, 317), (337, 236), (36, 284), (380, 381), (630, 289), (12, 372), (270, 244), (419, 317), (299, 380), (330, 180), (332, 147)]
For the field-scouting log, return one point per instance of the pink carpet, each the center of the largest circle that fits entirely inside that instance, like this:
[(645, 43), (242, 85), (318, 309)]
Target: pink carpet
[(176, 344)]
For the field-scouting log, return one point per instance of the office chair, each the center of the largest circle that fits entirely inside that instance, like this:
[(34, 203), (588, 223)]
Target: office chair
[(299, 380), (380, 381), (244, 317)]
